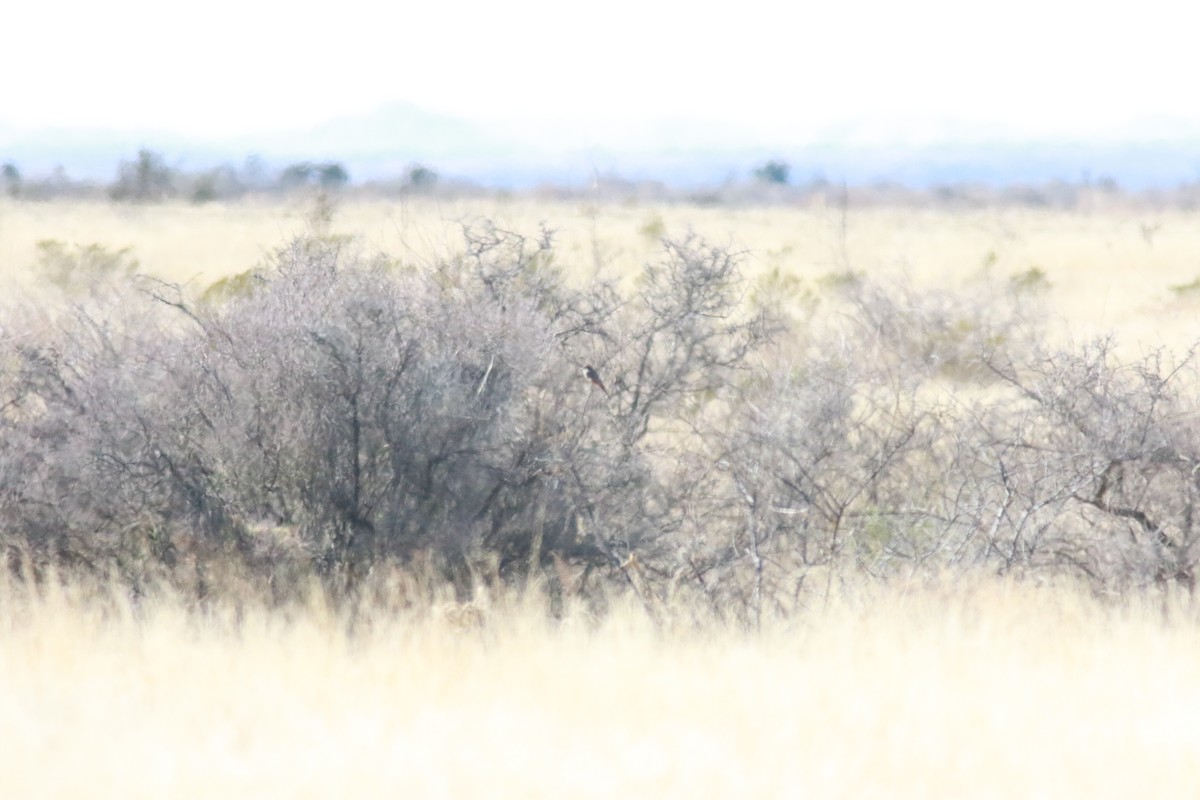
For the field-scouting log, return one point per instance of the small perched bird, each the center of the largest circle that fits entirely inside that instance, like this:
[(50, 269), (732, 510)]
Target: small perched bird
[(594, 377)]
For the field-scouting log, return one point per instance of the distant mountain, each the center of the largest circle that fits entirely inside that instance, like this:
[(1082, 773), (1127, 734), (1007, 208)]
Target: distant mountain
[(919, 152), (1131, 164), (381, 142), (393, 131), (1136, 165)]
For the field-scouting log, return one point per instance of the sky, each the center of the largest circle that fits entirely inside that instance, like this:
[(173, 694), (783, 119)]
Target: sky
[(615, 72)]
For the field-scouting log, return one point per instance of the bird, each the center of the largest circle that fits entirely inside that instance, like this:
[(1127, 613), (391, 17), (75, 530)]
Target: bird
[(594, 377)]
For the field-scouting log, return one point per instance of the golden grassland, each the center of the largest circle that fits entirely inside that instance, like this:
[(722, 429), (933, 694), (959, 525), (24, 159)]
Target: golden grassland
[(977, 689), (1126, 270), (986, 689)]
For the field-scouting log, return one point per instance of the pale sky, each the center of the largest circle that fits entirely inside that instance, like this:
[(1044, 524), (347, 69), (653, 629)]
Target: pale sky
[(561, 70)]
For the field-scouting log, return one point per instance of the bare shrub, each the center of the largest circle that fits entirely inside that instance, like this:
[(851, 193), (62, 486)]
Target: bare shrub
[(949, 332), (332, 414), (1092, 463), (334, 409), (97, 467)]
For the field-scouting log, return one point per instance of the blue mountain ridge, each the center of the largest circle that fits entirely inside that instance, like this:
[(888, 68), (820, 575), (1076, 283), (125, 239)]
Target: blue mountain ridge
[(384, 143)]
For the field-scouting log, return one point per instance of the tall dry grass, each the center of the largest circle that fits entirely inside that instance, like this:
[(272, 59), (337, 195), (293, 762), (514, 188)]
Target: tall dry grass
[(983, 690)]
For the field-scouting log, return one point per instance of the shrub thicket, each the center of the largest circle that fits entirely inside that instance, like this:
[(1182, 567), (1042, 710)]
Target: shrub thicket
[(335, 414)]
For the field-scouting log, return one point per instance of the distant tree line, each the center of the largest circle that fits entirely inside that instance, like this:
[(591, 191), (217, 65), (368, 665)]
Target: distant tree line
[(148, 177)]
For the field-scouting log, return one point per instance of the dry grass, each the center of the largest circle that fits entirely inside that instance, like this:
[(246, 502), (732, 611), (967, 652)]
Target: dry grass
[(991, 690), (982, 690), (1107, 269)]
